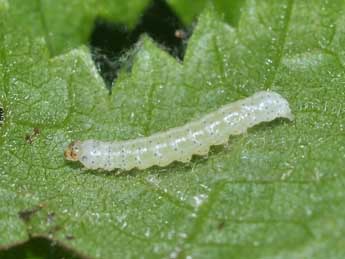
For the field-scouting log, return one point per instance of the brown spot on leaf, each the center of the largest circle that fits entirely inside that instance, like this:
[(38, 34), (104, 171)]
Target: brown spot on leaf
[(27, 214), (29, 138), (221, 225), (69, 237)]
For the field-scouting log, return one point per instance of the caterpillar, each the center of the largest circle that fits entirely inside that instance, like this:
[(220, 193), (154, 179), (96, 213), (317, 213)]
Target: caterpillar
[(181, 143)]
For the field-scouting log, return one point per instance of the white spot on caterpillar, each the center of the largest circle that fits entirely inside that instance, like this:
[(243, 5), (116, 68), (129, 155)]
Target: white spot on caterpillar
[(181, 143)]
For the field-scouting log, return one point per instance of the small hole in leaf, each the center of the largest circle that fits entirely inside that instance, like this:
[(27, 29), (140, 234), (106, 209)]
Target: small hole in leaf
[(110, 41)]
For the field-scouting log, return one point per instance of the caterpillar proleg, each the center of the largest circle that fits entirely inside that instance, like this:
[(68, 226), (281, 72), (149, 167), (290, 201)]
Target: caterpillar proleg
[(181, 143)]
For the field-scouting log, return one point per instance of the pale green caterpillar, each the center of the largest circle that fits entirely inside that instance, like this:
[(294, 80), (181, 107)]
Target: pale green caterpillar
[(181, 143)]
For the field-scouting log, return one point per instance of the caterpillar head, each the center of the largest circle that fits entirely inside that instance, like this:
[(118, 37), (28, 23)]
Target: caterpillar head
[(72, 151)]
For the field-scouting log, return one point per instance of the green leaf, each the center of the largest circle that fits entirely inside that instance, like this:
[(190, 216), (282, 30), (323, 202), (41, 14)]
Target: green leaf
[(275, 192), (230, 10), (65, 24)]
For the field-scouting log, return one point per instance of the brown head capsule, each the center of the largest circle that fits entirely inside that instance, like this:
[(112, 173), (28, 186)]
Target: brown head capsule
[(72, 151)]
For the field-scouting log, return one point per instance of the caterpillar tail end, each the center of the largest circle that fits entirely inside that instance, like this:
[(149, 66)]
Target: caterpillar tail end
[(290, 117), (288, 114), (72, 151)]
